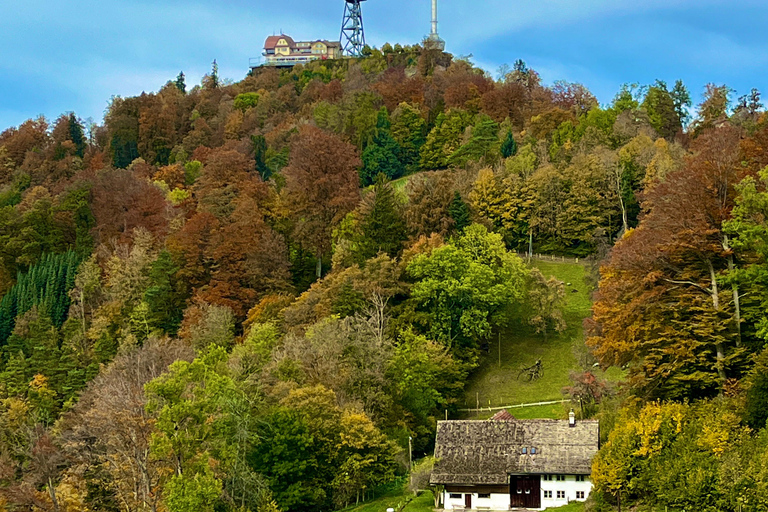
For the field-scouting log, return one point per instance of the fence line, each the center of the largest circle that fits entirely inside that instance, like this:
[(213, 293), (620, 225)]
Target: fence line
[(517, 406), (551, 257)]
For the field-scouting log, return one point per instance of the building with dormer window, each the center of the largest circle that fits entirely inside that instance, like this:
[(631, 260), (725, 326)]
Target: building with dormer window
[(283, 51), (504, 463)]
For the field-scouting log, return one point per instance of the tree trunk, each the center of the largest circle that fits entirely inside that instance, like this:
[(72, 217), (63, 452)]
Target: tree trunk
[(82, 310), (624, 221), (735, 290), (52, 493), (716, 306), (530, 244), (319, 266)]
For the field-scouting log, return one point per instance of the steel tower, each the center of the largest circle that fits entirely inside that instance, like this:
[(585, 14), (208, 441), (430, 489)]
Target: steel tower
[(352, 33), (434, 42)]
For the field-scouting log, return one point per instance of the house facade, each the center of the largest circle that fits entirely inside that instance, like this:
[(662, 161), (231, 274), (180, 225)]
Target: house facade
[(505, 463), (283, 51)]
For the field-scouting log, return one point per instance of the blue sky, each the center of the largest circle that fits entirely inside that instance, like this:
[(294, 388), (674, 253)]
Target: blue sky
[(60, 56)]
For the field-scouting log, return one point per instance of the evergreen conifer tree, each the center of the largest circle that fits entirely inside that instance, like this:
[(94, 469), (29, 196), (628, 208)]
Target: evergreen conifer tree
[(459, 212), (165, 298), (181, 83), (215, 75), (482, 146), (77, 135), (46, 286), (382, 155), (383, 228), (260, 155), (509, 145), (409, 130), (16, 374)]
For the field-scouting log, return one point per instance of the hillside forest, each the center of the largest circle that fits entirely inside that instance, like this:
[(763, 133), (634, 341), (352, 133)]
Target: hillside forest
[(248, 296)]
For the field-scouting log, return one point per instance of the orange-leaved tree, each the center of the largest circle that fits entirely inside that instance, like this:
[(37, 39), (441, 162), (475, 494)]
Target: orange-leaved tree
[(321, 187), (661, 309)]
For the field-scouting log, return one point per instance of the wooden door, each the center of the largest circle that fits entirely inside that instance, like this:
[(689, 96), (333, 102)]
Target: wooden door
[(525, 491), (468, 501)]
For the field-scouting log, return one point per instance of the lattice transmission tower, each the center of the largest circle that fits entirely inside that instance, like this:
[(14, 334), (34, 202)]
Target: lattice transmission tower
[(352, 32)]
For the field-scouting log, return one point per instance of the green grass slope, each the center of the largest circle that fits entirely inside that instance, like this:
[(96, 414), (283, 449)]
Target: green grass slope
[(496, 385), (399, 498)]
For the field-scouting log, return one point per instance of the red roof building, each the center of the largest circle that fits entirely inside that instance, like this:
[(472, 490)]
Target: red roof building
[(283, 51)]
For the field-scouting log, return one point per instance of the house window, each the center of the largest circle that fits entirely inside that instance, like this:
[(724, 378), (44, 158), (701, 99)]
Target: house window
[(547, 495), (547, 478), (533, 451), (579, 495), (525, 450), (580, 478), (455, 496), (484, 495), (561, 495), (560, 478)]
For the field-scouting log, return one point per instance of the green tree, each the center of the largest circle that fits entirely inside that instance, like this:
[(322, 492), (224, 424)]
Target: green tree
[(166, 295), (682, 100), (77, 135), (214, 78), (509, 145), (466, 288), (46, 286), (444, 139), (662, 110), (181, 83), (459, 212), (425, 380), (203, 430), (317, 456), (546, 298), (260, 156), (713, 108), (382, 154), (483, 146), (246, 100), (409, 130), (382, 227)]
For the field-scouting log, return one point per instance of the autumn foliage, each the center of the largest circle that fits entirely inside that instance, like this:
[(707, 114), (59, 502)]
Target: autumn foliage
[(249, 296)]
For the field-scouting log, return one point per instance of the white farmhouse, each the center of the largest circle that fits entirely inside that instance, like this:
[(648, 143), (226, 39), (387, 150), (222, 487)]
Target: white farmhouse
[(504, 463)]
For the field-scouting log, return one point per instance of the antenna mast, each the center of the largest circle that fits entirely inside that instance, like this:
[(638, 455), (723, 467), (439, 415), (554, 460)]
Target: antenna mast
[(352, 33), (433, 41)]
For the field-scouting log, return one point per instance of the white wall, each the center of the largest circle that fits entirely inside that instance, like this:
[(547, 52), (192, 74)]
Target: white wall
[(495, 502), (570, 486), (501, 501)]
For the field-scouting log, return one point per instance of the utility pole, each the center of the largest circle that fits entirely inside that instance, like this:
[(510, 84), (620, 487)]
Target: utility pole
[(499, 349)]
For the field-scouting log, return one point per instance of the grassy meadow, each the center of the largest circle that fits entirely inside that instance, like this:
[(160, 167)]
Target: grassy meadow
[(496, 385)]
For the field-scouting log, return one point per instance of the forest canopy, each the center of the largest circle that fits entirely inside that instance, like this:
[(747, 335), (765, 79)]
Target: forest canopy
[(249, 296)]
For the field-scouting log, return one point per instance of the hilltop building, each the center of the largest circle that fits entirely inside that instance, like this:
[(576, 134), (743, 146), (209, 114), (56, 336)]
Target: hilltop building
[(505, 463), (283, 51)]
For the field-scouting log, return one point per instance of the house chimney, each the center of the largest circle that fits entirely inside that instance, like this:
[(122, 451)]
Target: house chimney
[(571, 419)]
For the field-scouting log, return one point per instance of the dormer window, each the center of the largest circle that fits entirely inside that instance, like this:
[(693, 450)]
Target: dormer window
[(525, 450), (533, 450)]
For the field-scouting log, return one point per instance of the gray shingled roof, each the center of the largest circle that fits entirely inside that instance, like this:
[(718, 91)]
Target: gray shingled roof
[(487, 452)]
